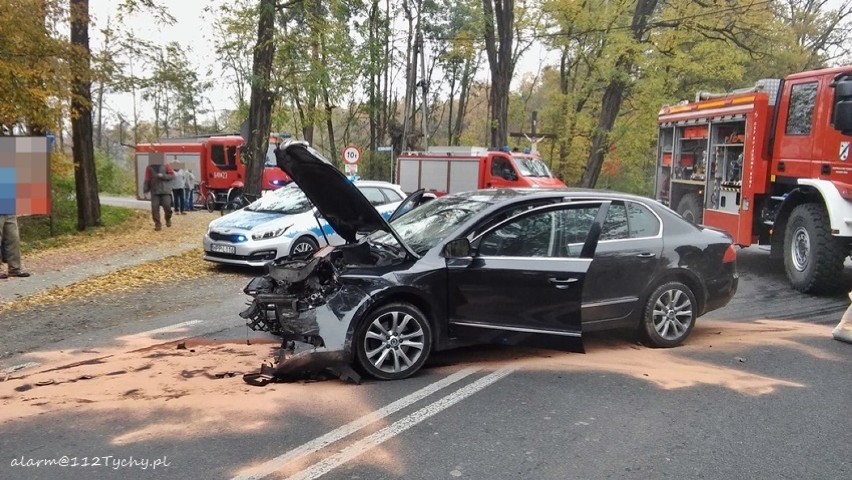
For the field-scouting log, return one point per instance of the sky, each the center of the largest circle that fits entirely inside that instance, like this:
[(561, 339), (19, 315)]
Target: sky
[(193, 27), (190, 29)]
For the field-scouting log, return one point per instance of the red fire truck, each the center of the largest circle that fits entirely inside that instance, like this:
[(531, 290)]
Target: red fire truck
[(216, 163), (444, 170), (770, 165)]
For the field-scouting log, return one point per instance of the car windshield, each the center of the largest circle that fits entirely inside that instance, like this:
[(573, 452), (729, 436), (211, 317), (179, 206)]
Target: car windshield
[(532, 167), (287, 200), (427, 225)]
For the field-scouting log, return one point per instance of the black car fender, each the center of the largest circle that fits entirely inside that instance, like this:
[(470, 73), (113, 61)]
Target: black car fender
[(403, 294), (678, 274)]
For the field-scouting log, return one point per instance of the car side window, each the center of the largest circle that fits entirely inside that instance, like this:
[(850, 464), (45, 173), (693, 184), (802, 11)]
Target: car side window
[(500, 167), (504, 214), (801, 111), (374, 195), (642, 222), (575, 225), (527, 236), (615, 224), (551, 233), (392, 195)]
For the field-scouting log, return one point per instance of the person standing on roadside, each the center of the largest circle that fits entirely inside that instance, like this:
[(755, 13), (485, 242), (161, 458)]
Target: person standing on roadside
[(189, 188), (158, 178), (178, 183), (10, 241)]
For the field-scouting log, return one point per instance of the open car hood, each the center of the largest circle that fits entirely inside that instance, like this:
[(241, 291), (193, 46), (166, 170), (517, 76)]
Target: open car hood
[(340, 202)]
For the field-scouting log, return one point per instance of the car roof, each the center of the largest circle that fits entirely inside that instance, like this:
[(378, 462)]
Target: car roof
[(374, 183), (504, 194)]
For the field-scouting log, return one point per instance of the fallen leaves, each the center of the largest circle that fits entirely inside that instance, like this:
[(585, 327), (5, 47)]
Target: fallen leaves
[(187, 265), (128, 240)]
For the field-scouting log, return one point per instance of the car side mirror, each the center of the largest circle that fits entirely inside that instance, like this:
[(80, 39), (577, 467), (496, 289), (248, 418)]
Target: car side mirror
[(458, 248)]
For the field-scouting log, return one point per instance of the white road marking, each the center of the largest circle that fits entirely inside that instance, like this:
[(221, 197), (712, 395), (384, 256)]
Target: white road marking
[(362, 446), (20, 367), (341, 432), (171, 327)]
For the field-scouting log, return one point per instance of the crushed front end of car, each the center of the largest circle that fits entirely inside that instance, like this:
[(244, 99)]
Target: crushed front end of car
[(309, 305)]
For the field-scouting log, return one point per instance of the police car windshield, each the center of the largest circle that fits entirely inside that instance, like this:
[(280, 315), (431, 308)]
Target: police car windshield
[(288, 200)]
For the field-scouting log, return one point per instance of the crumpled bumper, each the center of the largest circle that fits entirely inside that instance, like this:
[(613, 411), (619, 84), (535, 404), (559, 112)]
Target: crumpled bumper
[(314, 340)]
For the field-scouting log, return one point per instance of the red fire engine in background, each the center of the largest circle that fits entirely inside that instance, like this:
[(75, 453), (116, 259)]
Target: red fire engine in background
[(216, 162), (770, 165), (444, 170)]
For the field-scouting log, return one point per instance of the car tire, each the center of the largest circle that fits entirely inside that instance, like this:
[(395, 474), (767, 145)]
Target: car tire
[(813, 258), (393, 341), (303, 247), (690, 208), (669, 315)]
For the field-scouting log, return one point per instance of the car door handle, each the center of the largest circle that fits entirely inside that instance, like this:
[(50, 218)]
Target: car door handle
[(562, 283), (647, 255)]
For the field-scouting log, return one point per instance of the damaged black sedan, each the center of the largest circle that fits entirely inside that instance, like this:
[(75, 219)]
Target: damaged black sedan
[(530, 266)]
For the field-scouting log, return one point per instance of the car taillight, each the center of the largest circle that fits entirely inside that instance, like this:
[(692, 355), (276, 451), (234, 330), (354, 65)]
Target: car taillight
[(730, 255)]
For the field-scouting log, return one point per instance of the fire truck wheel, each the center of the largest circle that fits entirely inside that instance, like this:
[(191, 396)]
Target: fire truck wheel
[(669, 315), (393, 341), (303, 246), (690, 208), (813, 258)]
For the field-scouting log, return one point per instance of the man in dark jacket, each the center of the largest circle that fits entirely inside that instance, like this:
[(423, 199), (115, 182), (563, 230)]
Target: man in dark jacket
[(158, 177)]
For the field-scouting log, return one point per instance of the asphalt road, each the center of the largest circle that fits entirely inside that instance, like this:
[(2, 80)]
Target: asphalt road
[(760, 390)]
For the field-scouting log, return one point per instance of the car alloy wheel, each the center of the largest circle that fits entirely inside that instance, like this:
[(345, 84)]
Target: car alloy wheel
[(393, 342), (303, 247), (669, 315)]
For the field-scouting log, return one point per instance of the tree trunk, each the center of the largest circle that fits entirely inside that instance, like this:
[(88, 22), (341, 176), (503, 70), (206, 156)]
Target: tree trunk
[(373, 74), (386, 109), (100, 114), (614, 95), (410, 76), (499, 36), (464, 96), (260, 106), (85, 176)]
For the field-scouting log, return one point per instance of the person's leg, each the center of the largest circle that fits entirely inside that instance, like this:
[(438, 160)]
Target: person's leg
[(190, 205), (167, 207), (3, 243), (181, 202), (12, 240), (155, 210)]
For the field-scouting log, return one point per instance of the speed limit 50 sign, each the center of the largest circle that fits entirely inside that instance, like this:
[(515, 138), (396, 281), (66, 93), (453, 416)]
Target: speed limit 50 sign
[(351, 155)]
